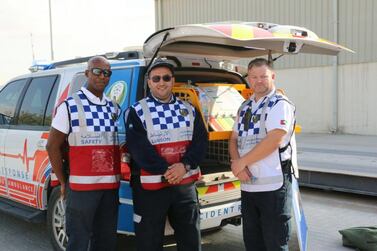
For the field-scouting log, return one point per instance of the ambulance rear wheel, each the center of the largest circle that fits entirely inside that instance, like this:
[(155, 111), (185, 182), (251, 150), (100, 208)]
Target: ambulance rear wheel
[(56, 221)]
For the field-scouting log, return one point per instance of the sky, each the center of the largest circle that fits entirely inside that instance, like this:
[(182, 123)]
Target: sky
[(79, 27)]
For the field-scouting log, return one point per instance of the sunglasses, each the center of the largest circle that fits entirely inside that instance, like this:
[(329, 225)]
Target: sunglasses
[(157, 78), (98, 71)]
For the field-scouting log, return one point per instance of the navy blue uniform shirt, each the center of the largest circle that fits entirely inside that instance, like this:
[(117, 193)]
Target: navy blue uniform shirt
[(144, 154)]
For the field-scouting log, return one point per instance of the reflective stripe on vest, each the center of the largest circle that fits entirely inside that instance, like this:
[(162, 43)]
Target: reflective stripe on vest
[(54, 179), (171, 144), (94, 155), (154, 182), (265, 177), (93, 179)]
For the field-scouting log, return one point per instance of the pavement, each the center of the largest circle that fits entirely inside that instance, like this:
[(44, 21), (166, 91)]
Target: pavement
[(338, 153), (327, 212)]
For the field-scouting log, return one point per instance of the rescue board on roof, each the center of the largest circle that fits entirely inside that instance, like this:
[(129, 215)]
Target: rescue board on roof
[(234, 40)]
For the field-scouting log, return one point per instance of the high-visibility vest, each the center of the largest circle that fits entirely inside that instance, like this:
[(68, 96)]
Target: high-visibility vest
[(94, 156), (169, 129), (267, 174)]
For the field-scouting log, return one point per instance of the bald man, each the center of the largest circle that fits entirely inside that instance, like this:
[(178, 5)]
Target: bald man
[(87, 122)]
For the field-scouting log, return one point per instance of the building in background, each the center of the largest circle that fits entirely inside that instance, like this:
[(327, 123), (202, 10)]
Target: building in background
[(332, 94)]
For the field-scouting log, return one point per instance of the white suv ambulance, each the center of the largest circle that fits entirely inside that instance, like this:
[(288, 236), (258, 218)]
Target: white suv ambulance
[(205, 76)]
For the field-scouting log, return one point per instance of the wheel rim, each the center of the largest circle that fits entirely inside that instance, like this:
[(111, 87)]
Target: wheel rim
[(58, 224)]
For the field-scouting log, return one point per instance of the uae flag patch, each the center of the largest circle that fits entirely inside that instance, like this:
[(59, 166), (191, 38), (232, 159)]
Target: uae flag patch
[(283, 122)]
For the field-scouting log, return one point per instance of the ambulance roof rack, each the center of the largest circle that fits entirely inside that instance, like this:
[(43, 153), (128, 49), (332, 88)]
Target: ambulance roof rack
[(125, 55)]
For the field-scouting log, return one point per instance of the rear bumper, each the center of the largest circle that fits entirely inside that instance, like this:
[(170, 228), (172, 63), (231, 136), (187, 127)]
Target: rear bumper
[(220, 215)]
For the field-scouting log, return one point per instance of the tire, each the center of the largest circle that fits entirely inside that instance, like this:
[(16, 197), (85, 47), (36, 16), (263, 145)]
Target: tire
[(56, 221)]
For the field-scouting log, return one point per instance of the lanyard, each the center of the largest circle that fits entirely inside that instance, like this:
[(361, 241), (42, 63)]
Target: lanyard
[(249, 115)]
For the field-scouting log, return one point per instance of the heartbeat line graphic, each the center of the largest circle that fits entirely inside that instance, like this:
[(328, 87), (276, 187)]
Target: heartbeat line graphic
[(23, 156)]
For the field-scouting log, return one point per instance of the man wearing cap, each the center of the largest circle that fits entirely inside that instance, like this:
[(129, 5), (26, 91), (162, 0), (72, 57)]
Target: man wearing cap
[(167, 140), (87, 120)]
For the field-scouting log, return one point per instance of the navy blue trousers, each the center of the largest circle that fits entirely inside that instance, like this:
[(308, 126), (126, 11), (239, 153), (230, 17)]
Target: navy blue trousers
[(179, 204), (266, 218), (91, 220)]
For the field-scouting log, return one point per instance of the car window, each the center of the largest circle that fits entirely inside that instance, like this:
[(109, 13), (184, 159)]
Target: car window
[(9, 97), (51, 105), (35, 101)]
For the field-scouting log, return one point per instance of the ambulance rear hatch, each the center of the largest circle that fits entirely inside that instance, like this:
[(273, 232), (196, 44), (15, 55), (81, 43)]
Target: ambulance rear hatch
[(235, 40)]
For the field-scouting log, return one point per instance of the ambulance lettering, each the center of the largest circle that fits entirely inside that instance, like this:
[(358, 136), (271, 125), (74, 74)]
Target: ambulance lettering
[(27, 185), (220, 211)]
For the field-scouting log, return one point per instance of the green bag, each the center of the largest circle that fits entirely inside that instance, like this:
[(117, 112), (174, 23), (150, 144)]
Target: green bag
[(361, 238)]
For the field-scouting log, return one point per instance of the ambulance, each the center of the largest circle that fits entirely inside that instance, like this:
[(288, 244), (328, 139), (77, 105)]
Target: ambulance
[(207, 75)]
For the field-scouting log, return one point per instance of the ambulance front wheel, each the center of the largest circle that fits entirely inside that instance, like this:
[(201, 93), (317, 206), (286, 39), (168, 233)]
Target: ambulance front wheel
[(56, 220)]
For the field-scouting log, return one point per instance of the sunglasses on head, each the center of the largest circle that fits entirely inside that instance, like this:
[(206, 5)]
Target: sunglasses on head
[(99, 71), (157, 78)]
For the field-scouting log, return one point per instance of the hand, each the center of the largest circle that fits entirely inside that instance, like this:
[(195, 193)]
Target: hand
[(237, 166), (245, 175), (62, 191), (175, 173)]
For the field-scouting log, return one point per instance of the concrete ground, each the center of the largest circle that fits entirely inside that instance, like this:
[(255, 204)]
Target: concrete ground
[(349, 154), (328, 212)]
